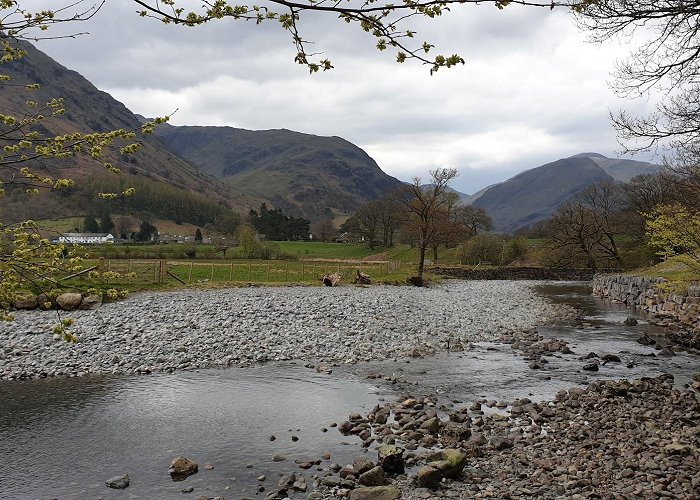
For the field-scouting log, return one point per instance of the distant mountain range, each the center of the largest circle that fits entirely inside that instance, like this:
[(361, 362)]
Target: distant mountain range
[(304, 175), (535, 194), (212, 167)]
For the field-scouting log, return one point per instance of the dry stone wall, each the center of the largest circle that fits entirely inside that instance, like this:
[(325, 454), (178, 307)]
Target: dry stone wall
[(648, 295)]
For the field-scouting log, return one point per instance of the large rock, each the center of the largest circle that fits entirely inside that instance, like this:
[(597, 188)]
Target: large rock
[(453, 433), (362, 465), (429, 477), (181, 467), (91, 301), (69, 301), (446, 463), (449, 462), (373, 477), (26, 302), (118, 482), (45, 301), (376, 493), (390, 458)]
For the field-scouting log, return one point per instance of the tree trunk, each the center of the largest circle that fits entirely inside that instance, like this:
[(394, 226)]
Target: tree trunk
[(331, 279)]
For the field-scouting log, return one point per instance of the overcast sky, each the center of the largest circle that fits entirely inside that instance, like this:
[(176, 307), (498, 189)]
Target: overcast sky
[(532, 89)]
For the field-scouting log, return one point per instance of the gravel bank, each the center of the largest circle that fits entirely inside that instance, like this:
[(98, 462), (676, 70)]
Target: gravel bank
[(193, 329), (610, 440)]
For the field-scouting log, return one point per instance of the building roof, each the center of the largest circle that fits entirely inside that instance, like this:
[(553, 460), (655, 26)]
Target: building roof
[(86, 235)]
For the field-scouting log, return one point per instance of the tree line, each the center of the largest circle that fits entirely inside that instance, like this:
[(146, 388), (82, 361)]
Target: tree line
[(625, 225)]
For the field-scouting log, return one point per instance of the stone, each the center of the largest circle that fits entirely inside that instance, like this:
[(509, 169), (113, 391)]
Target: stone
[(118, 482), (362, 465), (69, 300), (501, 443), (428, 477), (449, 462), (287, 481), (182, 467), (390, 458), (630, 321), (45, 301), (432, 425), (453, 433), (373, 477), (91, 301), (612, 358), (375, 493), (646, 340), (591, 367), (26, 302)]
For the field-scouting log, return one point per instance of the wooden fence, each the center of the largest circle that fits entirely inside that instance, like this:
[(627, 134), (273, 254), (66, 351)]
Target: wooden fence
[(149, 271)]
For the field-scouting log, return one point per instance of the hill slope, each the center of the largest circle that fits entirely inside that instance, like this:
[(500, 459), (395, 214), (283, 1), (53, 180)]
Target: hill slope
[(91, 110), (536, 194), (303, 174)]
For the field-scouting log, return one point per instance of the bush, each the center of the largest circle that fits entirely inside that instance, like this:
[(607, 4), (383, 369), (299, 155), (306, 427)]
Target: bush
[(482, 248)]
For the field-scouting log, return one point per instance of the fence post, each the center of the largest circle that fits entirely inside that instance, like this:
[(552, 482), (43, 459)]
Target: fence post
[(268, 271), (212, 273), (163, 269), (155, 271), (249, 266), (189, 279), (302, 272), (230, 273)]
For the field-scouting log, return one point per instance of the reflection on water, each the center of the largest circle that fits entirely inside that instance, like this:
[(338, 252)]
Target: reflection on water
[(62, 438)]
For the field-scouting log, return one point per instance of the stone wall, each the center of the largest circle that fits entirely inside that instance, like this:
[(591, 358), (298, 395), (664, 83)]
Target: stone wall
[(648, 295), (515, 273)]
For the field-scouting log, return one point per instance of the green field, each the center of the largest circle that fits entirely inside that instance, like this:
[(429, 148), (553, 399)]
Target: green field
[(321, 250), (177, 273)]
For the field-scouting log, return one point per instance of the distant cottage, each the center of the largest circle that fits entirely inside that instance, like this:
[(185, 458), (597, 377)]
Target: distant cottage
[(86, 238)]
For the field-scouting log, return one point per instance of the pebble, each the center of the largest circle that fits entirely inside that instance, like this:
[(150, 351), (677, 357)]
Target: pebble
[(194, 329)]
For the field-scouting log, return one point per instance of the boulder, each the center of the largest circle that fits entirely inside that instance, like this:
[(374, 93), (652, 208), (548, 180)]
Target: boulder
[(449, 462), (45, 301), (373, 477), (69, 301), (432, 425), (118, 482), (390, 458), (182, 467), (453, 433), (375, 493), (362, 465), (646, 340), (612, 358), (25, 302), (591, 367), (630, 321), (429, 477), (91, 301)]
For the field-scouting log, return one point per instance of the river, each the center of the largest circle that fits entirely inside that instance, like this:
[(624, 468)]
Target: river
[(63, 437)]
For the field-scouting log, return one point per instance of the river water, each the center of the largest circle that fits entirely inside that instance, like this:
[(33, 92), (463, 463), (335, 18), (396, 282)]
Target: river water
[(62, 438)]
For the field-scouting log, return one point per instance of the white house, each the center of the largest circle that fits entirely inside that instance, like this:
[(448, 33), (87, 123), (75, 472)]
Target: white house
[(86, 238)]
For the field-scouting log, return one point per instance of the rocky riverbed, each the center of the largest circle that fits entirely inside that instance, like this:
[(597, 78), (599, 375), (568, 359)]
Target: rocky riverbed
[(612, 439), (193, 329)]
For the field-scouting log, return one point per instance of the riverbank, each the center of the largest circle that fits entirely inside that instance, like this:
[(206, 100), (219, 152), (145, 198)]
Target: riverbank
[(195, 329), (611, 439)]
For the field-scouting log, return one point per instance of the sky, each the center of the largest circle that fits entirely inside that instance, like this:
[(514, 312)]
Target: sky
[(532, 90)]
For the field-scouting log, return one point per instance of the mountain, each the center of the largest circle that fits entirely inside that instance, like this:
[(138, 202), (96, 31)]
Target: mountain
[(302, 174), (88, 110), (535, 194)]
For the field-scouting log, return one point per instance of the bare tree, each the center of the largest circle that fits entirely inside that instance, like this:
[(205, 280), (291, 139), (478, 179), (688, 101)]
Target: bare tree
[(369, 217), (423, 208), (666, 60), (587, 227)]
